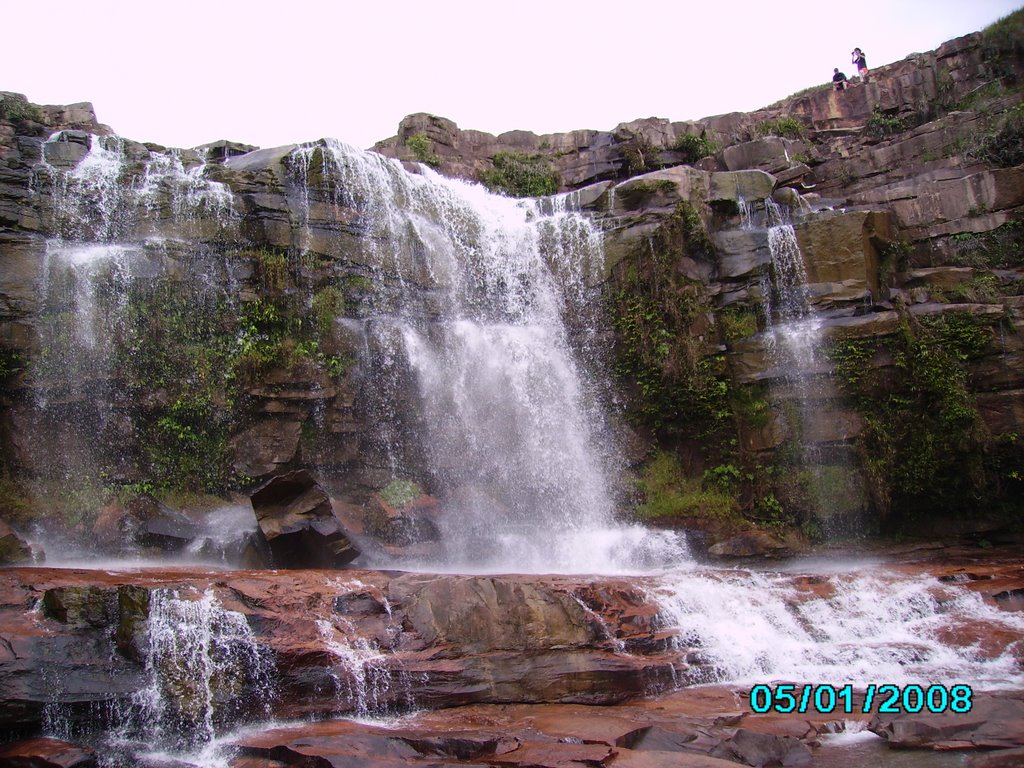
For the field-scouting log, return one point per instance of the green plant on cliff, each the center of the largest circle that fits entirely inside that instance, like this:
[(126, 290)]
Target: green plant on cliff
[(17, 110), (327, 304), (1003, 148), (272, 268), (923, 443), (641, 155), (785, 126), (881, 125), (422, 149), (693, 148), (1003, 46), (737, 323), (1001, 247), (664, 331), (669, 493), (398, 493), (11, 362), (519, 175)]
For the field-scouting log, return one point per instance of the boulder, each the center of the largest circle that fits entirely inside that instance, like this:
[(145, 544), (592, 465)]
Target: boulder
[(994, 721), (143, 521), (763, 749), (298, 522), (46, 753), (753, 543), (14, 550), (267, 447), (741, 185), (412, 522)]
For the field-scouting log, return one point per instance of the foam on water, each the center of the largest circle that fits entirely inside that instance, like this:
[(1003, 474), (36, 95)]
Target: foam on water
[(486, 313), (855, 627)]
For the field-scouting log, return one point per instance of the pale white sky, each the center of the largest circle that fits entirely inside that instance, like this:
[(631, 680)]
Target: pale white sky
[(264, 73)]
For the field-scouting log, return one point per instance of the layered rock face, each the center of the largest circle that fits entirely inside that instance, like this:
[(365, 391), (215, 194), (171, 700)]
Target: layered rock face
[(227, 341)]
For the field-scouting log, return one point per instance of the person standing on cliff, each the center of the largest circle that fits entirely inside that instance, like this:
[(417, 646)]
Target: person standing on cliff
[(839, 80), (862, 63)]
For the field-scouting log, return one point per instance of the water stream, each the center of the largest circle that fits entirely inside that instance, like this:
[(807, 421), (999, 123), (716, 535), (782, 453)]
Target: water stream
[(490, 326)]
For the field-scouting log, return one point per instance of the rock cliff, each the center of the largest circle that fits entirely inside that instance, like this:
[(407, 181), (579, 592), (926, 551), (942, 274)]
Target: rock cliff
[(230, 355)]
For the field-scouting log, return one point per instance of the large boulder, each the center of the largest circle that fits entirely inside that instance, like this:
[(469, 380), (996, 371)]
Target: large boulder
[(13, 548), (143, 521), (994, 721), (46, 753), (300, 527)]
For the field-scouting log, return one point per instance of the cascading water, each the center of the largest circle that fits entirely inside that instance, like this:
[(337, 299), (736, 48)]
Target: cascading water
[(794, 342), (845, 627), (488, 318), (125, 219)]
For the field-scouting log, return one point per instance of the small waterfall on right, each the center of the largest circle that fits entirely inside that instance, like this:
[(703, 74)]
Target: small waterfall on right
[(794, 342)]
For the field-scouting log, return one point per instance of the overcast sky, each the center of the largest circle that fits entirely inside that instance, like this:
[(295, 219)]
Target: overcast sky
[(263, 73)]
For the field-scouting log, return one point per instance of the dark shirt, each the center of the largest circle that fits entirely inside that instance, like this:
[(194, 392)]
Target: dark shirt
[(838, 77)]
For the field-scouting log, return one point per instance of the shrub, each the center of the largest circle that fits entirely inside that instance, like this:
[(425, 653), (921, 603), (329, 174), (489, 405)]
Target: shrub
[(519, 175), (422, 149), (1004, 148), (669, 493), (693, 148), (786, 126), (398, 493), (880, 125), (18, 111), (641, 156)]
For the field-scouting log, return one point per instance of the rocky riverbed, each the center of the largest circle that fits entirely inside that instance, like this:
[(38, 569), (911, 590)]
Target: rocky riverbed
[(487, 669)]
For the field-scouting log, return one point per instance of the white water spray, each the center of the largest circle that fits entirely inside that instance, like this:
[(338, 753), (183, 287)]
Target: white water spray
[(486, 310)]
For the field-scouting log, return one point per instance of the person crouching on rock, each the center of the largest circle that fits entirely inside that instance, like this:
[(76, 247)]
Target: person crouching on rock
[(862, 63), (838, 80)]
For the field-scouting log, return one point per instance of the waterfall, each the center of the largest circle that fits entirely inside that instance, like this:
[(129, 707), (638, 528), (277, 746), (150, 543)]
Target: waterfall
[(484, 330), (203, 671), (794, 340), (125, 220), (845, 627)]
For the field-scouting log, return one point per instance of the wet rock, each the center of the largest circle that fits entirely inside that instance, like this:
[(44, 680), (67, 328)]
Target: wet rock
[(297, 520), (414, 522), (266, 447), (46, 753), (1004, 758), (995, 721), (762, 749), (14, 549), (754, 543), (144, 521)]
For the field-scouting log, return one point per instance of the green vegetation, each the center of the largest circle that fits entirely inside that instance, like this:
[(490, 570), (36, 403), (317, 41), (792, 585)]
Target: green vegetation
[(1003, 46), (1002, 247), (641, 156), (398, 493), (737, 323), (271, 268), (881, 125), (669, 493), (923, 444), (18, 111), (422, 149), (664, 327), (1004, 148), (327, 305), (519, 175), (786, 126), (647, 187), (693, 148), (11, 362)]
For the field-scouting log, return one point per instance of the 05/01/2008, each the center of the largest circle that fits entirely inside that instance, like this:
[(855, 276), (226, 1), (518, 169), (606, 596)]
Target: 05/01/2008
[(884, 699)]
